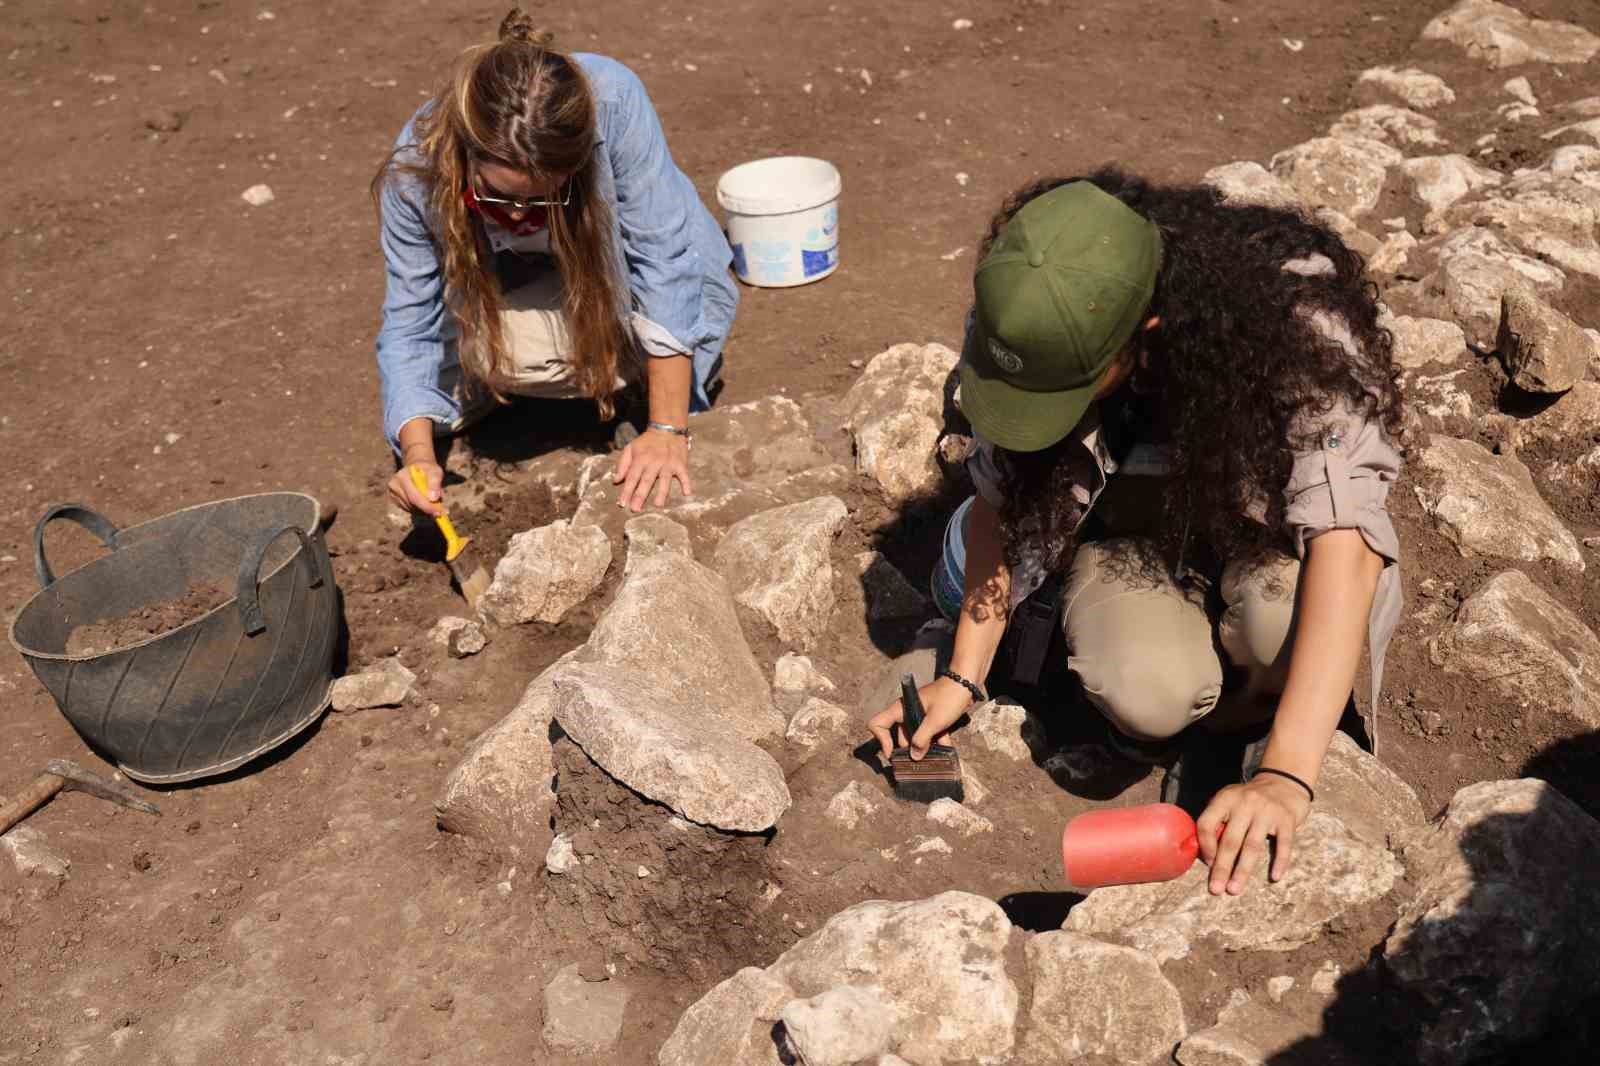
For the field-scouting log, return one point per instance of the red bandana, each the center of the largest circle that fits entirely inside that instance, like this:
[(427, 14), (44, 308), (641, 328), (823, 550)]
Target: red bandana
[(533, 222)]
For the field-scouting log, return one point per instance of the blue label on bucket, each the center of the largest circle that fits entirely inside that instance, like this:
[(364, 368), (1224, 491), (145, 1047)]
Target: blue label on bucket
[(739, 266), (814, 263)]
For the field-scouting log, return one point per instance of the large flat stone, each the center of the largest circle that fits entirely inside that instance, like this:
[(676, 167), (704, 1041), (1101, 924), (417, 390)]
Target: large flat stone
[(1502, 36), (1487, 504), (1343, 173), (1094, 998), (1544, 350), (545, 573), (667, 748), (778, 564), (895, 414), (1476, 268)]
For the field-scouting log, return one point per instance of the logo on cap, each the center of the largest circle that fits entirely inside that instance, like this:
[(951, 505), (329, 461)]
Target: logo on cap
[(1004, 357)]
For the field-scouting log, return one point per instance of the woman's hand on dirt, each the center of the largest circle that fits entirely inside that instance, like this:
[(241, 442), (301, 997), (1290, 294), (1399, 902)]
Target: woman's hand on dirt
[(1246, 816), (405, 494), (652, 461), (943, 704)]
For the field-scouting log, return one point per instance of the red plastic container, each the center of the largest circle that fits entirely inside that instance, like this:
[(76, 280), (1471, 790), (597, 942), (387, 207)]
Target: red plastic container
[(1128, 846)]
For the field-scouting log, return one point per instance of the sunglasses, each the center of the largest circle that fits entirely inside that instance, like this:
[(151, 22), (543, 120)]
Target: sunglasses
[(494, 197)]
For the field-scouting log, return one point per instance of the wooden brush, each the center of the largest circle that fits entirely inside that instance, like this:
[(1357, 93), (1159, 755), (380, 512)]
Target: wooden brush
[(937, 775), (469, 573)]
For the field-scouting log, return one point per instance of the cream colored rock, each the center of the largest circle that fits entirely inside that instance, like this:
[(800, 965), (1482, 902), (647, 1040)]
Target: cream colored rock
[(1548, 217), (648, 737), (952, 815), (1502, 36), (1344, 173), (730, 1024), (673, 621), (1251, 183), (651, 533), (1502, 937), (1544, 351), (853, 803), (1393, 255), (32, 855), (778, 563), (1334, 872), (1372, 801), (1437, 181), (895, 413), (1476, 268), (545, 573), (386, 684), (1006, 728), (1249, 1033), (796, 675), (1412, 87), (1399, 127), (1568, 418), (1420, 341), (1091, 998), (1487, 504), (1518, 642), (499, 793), (841, 1026), (816, 721), (1522, 89)]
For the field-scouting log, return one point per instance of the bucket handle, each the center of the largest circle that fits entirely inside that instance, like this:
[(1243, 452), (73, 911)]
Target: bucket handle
[(92, 520), (249, 597)]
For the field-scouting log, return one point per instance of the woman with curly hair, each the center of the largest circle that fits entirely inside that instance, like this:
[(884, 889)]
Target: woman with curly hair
[(1183, 411), (539, 240)]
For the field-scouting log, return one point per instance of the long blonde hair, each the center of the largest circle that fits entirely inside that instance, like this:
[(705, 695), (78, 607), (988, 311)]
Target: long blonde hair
[(521, 104)]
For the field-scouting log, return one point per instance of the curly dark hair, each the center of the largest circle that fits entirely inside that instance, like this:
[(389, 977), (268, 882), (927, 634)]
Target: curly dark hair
[(1237, 375)]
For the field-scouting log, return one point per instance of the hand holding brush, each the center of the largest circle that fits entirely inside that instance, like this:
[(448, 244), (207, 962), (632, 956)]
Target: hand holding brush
[(921, 771)]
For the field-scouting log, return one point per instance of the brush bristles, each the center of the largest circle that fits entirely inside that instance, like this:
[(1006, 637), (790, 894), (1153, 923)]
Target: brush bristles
[(474, 585), (936, 776)]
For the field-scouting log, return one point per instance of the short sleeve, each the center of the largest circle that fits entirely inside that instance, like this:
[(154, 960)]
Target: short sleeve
[(984, 467), (1343, 483)]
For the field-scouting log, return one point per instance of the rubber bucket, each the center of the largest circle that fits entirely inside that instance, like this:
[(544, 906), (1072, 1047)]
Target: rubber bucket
[(219, 690), (783, 220)]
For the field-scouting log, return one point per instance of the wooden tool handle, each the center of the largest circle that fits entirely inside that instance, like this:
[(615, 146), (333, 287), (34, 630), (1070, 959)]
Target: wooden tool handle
[(29, 800)]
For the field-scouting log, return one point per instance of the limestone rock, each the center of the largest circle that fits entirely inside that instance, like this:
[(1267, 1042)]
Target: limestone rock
[(1344, 173), (795, 675), (1546, 216), (545, 573), (888, 593), (1420, 341), (650, 533), (1333, 873), (1521, 88), (841, 1026), (1437, 181), (1543, 349), (500, 791), (32, 854), (1007, 729), (673, 621), (895, 413), (1413, 87), (583, 1017), (851, 804), (731, 1024), (1372, 801), (385, 685), (1502, 36), (1486, 504), (649, 737), (939, 961), (1517, 640), (1251, 183), (258, 195), (460, 637), (1354, 237), (816, 721), (1248, 1033), (1094, 998), (1476, 268), (561, 858), (952, 815), (1278, 987), (1502, 938), (778, 564), (1399, 127), (1392, 255), (1570, 417)]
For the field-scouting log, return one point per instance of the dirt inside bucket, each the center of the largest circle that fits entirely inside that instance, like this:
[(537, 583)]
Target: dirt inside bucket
[(146, 621)]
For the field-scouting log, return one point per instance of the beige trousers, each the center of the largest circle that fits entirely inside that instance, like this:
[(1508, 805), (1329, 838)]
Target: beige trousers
[(535, 327), (1151, 656)]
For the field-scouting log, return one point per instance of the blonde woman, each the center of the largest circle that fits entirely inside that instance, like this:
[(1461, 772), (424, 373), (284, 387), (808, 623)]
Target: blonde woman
[(539, 240)]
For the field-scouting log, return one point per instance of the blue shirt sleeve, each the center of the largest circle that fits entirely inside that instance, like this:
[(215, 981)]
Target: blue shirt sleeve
[(416, 339), (657, 211)]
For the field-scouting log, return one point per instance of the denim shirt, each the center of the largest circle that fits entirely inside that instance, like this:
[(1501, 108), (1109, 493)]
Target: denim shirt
[(675, 255)]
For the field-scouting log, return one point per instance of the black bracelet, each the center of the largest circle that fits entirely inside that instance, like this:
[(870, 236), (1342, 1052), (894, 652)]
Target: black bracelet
[(1291, 777), (977, 693)]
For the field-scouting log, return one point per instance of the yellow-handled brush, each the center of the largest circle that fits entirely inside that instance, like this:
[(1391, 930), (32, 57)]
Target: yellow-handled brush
[(469, 573)]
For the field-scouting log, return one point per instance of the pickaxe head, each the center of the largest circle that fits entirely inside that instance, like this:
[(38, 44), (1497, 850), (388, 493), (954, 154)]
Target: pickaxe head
[(75, 778)]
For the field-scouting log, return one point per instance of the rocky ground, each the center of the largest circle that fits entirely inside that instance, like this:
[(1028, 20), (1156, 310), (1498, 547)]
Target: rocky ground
[(671, 848)]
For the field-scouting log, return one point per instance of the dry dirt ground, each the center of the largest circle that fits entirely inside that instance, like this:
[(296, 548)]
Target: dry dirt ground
[(165, 344)]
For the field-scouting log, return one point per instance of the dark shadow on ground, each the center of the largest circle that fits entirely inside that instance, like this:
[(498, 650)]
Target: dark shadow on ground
[(1375, 1019)]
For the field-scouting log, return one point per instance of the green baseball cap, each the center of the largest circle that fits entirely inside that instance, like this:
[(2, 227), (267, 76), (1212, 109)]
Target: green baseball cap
[(1060, 293)]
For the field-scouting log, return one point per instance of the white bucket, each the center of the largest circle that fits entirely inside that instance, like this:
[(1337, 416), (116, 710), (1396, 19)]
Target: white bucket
[(783, 220)]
